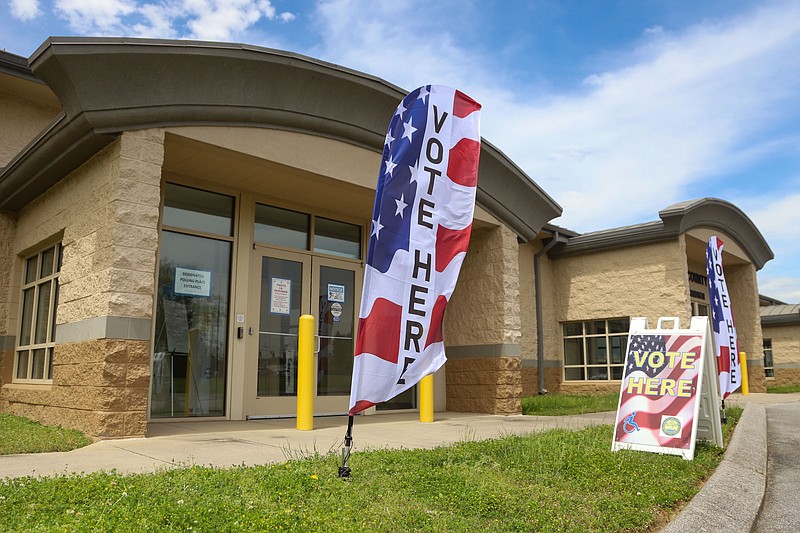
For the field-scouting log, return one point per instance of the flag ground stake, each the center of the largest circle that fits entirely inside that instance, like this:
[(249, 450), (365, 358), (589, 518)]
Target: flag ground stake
[(344, 470)]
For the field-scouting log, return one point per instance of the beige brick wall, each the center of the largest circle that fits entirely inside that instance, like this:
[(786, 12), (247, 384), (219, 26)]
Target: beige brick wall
[(785, 354), (23, 119), (485, 312), (484, 385), (99, 387), (485, 307), (648, 280), (108, 212), (743, 290), (8, 298)]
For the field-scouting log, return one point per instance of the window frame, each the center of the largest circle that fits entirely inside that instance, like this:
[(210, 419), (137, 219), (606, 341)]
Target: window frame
[(769, 371), (33, 344), (586, 337)]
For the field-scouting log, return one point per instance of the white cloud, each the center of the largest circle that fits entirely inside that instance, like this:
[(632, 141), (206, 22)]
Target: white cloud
[(24, 9), (95, 16), (216, 20)]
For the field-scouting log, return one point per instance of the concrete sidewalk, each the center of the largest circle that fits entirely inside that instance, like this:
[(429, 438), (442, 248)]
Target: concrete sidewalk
[(232, 443)]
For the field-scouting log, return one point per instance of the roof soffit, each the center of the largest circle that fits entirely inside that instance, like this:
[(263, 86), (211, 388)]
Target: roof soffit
[(676, 220), (110, 85)]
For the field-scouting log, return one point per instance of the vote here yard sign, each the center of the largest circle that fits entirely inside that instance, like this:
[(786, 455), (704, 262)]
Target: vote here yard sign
[(661, 388)]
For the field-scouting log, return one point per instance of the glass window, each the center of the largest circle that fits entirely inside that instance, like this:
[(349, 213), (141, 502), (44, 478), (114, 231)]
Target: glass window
[(193, 209), (337, 238), (604, 342), (769, 365), (191, 337), (34, 352), (282, 227)]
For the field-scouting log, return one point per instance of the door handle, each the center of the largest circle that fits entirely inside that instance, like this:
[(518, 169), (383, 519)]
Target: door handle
[(316, 343)]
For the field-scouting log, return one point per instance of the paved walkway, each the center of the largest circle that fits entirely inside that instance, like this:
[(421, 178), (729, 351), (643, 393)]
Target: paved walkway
[(231, 443)]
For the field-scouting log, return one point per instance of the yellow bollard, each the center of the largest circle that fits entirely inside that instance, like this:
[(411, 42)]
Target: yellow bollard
[(305, 374), (743, 362), (426, 399)]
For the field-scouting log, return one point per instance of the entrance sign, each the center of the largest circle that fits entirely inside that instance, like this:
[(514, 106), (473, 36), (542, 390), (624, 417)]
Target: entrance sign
[(726, 343), (192, 282), (669, 373), (421, 225)]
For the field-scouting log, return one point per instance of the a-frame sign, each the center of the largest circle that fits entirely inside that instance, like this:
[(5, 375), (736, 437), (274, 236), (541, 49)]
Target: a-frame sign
[(669, 395)]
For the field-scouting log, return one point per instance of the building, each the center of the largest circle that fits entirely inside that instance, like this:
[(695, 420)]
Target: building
[(168, 209), (780, 327)]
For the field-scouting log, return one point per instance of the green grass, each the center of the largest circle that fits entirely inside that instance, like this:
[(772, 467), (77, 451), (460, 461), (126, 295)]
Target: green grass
[(784, 389), (555, 481), (569, 404), (20, 435)]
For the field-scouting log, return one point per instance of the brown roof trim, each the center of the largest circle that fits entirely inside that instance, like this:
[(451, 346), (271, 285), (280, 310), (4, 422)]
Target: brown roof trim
[(675, 220), (111, 85)]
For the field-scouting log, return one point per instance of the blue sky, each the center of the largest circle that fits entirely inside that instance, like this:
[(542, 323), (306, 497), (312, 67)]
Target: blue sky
[(616, 108)]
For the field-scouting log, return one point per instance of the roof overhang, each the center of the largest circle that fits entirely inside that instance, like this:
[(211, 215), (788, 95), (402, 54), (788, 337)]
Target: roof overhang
[(780, 315), (677, 219), (110, 85)]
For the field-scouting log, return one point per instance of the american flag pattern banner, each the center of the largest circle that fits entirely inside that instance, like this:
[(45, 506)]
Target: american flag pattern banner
[(726, 343), (659, 394), (421, 224)]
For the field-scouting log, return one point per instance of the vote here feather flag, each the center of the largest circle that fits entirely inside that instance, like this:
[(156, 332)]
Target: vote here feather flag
[(726, 342), (421, 225)]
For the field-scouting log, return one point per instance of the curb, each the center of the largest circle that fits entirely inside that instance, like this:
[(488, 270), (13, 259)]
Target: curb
[(731, 498)]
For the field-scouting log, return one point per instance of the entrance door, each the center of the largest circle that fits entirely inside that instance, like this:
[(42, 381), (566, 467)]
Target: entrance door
[(285, 286)]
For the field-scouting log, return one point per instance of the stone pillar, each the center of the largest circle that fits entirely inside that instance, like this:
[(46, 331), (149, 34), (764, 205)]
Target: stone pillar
[(108, 211), (743, 290), (9, 297), (482, 327)]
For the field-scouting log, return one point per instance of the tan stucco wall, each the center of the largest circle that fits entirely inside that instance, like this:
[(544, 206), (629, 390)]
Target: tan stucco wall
[(648, 280), (108, 212), (785, 354), (22, 120)]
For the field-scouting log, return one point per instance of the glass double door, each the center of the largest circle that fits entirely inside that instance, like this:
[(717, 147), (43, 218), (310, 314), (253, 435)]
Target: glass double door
[(285, 286)]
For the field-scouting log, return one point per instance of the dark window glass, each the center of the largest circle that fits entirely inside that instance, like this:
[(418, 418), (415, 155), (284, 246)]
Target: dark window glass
[(203, 211), (337, 238), (573, 328), (282, 227)]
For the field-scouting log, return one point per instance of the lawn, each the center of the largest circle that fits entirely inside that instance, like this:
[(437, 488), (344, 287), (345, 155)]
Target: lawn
[(568, 404), (555, 481), (784, 389), (20, 435)]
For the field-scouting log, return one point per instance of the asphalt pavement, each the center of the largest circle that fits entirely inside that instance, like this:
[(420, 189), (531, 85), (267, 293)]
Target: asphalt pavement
[(757, 485)]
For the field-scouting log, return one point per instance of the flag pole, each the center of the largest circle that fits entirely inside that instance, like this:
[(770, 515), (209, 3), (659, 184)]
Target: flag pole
[(344, 470)]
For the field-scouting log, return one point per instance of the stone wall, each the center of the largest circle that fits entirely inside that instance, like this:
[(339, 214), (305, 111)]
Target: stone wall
[(482, 327), (785, 354), (648, 280), (108, 212), (743, 290), (9, 298)]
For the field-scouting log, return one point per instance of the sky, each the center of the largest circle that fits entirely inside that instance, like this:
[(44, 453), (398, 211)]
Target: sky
[(616, 108)]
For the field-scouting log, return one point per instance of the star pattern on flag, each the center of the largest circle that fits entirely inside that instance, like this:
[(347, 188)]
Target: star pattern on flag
[(376, 228), (408, 129), (401, 206)]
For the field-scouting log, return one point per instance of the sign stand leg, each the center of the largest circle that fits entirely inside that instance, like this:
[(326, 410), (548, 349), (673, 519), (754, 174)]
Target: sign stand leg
[(344, 470), (724, 413)]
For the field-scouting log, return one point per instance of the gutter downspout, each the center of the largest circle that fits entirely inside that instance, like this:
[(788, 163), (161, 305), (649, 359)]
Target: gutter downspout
[(538, 298)]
